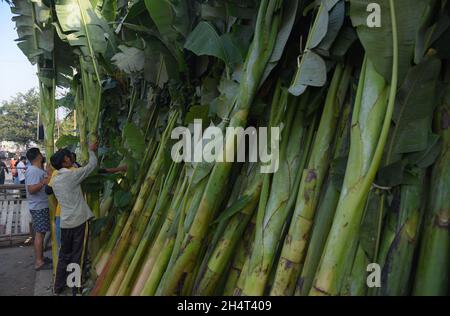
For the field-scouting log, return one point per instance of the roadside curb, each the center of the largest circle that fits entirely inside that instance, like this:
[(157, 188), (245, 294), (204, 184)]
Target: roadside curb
[(43, 282)]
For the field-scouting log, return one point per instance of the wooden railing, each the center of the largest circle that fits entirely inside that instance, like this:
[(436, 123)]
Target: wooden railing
[(15, 218)]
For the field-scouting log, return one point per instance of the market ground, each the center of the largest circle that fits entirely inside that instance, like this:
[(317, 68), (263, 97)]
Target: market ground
[(17, 275)]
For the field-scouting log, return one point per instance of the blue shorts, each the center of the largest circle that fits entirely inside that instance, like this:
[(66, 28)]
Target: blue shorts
[(41, 220)]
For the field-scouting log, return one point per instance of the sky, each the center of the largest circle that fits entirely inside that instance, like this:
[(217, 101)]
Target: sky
[(16, 72)]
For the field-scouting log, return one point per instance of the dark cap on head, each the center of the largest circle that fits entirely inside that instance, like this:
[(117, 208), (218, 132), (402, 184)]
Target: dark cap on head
[(57, 159)]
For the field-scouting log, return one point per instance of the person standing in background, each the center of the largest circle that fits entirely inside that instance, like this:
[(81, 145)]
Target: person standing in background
[(4, 169), (12, 166), (74, 159), (21, 168)]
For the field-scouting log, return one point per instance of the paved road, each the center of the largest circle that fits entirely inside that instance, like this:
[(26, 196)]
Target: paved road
[(17, 275)]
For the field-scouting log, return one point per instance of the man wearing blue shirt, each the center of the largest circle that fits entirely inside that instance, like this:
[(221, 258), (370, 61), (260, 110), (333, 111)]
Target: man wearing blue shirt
[(35, 180)]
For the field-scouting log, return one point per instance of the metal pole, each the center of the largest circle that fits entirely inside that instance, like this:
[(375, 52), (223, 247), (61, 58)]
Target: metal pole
[(75, 122), (57, 121), (37, 135)]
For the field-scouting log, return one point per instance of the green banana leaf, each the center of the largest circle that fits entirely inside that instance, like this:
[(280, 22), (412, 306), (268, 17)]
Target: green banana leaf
[(377, 41)]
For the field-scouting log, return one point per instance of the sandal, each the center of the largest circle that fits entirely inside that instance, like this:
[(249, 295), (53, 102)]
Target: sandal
[(45, 266)]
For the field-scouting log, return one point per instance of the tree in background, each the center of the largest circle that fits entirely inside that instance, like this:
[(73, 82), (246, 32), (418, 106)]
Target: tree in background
[(18, 118)]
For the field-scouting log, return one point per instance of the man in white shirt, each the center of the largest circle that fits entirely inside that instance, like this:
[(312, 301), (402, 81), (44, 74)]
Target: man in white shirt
[(21, 168), (21, 173), (75, 212)]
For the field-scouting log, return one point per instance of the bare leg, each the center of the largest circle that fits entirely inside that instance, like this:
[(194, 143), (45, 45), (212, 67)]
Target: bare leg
[(38, 249)]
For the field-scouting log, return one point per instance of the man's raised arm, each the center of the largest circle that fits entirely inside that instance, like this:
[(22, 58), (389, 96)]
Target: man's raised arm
[(79, 174)]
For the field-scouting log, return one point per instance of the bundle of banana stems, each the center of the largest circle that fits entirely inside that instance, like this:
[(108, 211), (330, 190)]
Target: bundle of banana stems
[(356, 198)]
